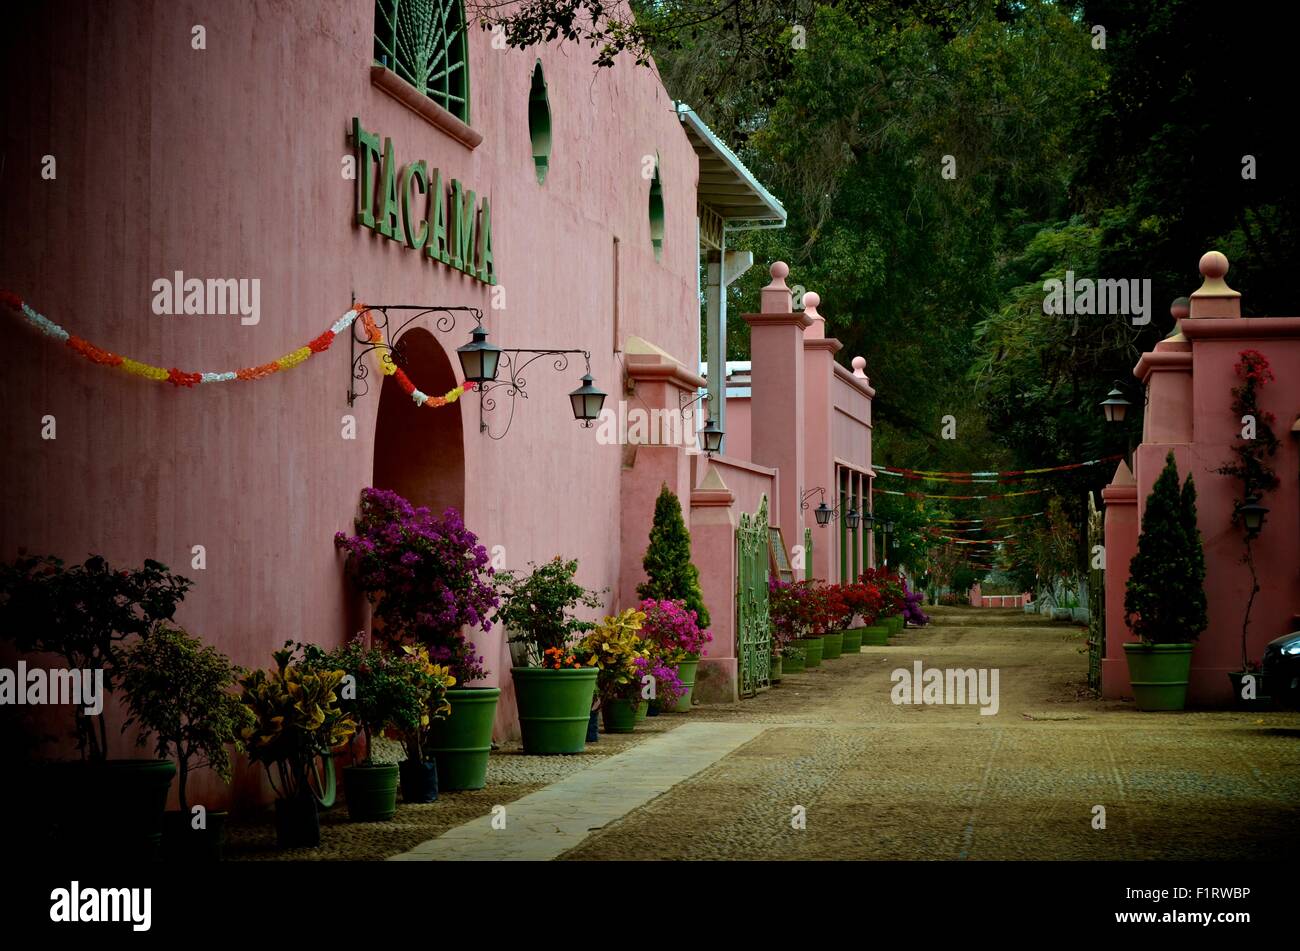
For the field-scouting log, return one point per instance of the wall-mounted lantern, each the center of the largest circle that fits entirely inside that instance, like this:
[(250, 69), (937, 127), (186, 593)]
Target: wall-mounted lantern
[(479, 360), (587, 402), (1252, 515), (711, 436)]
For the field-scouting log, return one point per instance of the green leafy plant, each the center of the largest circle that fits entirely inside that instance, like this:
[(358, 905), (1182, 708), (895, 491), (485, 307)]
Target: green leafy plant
[(1164, 602), (296, 717), (84, 614), (614, 647), (179, 692), (537, 608), (670, 574)]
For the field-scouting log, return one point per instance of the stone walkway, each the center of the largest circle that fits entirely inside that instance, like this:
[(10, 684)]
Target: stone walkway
[(875, 780), (549, 822)]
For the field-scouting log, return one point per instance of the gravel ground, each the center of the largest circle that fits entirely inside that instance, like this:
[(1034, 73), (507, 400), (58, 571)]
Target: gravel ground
[(511, 775), (884, 781)]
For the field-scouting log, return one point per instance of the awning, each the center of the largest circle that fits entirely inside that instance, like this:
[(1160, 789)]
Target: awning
[(726, 186)]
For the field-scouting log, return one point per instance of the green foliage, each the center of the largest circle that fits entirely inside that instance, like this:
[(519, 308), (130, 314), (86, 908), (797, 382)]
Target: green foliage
[(537, 608), (613, 647), (84, 614), (1164, 602), (180, 693), (670, 574)]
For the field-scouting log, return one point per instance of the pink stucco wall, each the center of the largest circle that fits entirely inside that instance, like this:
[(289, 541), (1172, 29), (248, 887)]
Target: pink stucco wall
[(226, 162), (1189, 414)]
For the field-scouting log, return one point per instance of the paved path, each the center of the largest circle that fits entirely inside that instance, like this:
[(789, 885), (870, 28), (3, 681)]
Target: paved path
[(875, 780), (544, 824)]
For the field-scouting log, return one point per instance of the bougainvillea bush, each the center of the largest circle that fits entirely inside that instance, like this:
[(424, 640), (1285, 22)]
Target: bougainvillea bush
[(912, 612), (673, 629), (668, 686), (428, 577), (864, 600), (892, 589)]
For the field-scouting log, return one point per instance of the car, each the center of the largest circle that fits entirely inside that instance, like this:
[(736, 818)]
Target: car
[(1282, 670)]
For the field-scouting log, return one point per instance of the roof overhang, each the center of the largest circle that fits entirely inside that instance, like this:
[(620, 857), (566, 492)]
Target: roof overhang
[(726, 186)]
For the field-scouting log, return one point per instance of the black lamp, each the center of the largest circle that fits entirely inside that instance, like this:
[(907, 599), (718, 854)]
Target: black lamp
[(1115, 406), (823, 513), (586, 400), (711, 436), (1252, 514), (889, 526), (868, 521), (479, 359), (851, 518)]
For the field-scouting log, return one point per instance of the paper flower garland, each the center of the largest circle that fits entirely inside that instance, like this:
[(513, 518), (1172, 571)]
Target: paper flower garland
[(179, 378)]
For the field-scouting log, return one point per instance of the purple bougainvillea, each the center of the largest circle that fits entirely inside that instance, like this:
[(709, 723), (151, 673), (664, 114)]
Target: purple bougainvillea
[(428, 577)]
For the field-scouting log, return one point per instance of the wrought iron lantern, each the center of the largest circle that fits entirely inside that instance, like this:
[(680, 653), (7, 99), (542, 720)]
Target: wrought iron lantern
[(823, 513), (1115, 406), (479, 359), (851, 518), (587, 402), (1252, 515), (711, 437)]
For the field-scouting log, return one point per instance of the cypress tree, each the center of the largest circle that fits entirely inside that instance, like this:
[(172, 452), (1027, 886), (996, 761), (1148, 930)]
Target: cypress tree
[(1194, 618), (1164, 600), (670, 574)]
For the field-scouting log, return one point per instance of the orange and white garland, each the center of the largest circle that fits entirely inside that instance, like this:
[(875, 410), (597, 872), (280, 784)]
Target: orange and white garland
[(181, 378)]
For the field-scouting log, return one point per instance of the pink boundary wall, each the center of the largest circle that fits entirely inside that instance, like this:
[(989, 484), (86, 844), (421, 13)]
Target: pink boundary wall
[(978, 600), (1188, 378)]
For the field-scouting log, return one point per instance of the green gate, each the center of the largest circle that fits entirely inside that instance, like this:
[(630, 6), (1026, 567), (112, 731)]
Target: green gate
[(1096, 595), (753, 628)]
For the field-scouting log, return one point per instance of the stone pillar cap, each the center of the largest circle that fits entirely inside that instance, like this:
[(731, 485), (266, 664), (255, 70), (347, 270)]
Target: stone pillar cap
[(1214, 298), (775, 297)]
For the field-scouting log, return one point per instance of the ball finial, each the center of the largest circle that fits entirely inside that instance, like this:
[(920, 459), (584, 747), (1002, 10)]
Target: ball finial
[(1180, 308), (811, 299), (1214, 264), (859, 364), (779, 270)]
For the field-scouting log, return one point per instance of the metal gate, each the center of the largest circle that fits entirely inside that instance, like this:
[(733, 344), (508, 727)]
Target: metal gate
[(754, 640), (1096, 595)]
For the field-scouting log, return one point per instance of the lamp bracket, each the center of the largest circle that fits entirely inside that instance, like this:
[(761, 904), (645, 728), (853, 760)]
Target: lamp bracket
[(516, 385)]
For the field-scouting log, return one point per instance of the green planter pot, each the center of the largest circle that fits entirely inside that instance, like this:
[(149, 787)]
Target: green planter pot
[(642, 711), (812, 648), (554, 708), (777, 669), (1262, 700), (107, 810), (1159, 674), (875, 635), (621, 716), (852, 640), (792, 665), (894, 623), (371, 792), (832, 645), (686, 674), (460, 744)]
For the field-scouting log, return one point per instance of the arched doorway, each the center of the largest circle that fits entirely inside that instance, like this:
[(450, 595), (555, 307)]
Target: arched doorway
[(420, 451)]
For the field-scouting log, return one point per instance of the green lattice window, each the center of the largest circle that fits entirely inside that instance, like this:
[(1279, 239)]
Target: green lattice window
[(423, 41)]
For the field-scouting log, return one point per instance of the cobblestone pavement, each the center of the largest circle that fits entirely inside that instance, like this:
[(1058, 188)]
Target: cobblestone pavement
[(884, 781)]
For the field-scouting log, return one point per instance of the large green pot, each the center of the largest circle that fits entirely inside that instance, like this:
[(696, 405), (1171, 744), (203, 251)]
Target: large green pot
[(812, 648), (554, 708), (875, 635), (775, 668), (460, 744), (792, 665), (1159, 674), (686, 674), (620, 716), (103, 810), (852, 640), (371, 792), (895, 624), (832, 645)]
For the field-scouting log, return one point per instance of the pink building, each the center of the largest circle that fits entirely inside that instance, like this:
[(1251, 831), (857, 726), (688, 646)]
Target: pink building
[(285, 151), (1188, 378)]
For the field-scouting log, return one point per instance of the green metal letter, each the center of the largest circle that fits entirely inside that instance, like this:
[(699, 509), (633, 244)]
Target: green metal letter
[(486, 271), (387, 217), (414, 171), (367, 146), (437, 246)]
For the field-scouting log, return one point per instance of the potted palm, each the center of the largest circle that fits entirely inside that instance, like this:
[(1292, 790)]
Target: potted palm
[(296, 718), (1164, 603), (553, 690), (430, 581), (180, 693), (614, 649), (87, 615)]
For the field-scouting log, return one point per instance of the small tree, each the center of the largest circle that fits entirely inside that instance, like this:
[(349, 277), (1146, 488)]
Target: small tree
[(670, 574), (181, 693), (1164, 601)]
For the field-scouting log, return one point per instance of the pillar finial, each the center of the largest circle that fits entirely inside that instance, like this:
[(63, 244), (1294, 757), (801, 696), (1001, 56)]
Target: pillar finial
[(775, 297), (1214, 298), (817, 329), (859, 367)]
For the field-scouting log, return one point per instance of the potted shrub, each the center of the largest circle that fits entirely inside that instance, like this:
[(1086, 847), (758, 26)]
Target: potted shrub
[(670, 574), (1251, 467), (86, 614), (429, 580), (180, 694), (832, 616), (553, 690), (1164, 604), (865, 600), (666, 687), (847, 612), (791, 611), (614, 648), (674, 630), (418, 774), (892, 593), (296, 718)]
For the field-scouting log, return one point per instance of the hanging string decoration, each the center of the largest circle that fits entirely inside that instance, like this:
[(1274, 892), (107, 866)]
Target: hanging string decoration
[(932, 475), (182, 378)]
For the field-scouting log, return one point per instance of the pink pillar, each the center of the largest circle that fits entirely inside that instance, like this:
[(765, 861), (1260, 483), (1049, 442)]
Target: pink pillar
[(656, 382), (974, 595), (818, 419), (1121, 532), (713, 544), (777, 403)]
